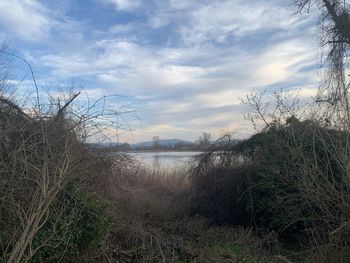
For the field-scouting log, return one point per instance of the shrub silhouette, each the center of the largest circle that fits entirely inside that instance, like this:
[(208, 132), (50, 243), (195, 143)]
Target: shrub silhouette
[(290, 177)]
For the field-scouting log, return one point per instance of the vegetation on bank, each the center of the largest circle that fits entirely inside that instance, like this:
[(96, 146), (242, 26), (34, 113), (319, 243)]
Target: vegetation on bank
[(280, 196), (157, 144), (283, 195), (290, 179)]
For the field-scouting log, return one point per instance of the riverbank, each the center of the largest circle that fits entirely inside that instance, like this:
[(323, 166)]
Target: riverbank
[(152, 223), (164, 150)]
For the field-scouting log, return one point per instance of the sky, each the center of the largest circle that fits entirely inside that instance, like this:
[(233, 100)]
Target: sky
[(181, 67)]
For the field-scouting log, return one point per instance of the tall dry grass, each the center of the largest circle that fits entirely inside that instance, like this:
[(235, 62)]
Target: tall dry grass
[(152, 222)]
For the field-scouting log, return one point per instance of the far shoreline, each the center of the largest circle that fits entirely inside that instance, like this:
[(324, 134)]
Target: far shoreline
[(164, 150)]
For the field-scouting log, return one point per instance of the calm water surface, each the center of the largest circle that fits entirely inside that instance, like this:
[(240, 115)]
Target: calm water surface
[(166, 160)]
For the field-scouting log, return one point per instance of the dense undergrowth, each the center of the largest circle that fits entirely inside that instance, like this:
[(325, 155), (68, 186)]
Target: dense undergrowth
[(152, 222), (283, 195), (47, 211), (291, 178), (280, 196)]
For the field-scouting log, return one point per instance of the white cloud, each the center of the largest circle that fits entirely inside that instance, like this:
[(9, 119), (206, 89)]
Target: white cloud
[(227, 97), (27, 19), (283, 61), (131, 69), (191, 78), (158, 21), (219, 20), (122, 62), (307, 92), (125, 5), (181, 4)]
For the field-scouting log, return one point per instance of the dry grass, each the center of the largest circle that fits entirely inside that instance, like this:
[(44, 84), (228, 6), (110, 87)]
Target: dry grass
[(151, 223)]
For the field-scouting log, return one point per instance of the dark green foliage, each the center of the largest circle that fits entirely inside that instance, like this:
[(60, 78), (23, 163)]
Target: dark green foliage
[(219, 193), (290, 177), (76, 226), (299, 175)]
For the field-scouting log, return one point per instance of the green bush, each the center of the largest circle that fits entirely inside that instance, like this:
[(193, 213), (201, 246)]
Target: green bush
[(300, 179), (76, 226), (290, 178)]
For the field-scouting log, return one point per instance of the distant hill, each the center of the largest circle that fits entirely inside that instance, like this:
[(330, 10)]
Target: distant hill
[(163, 143), (166, 143)]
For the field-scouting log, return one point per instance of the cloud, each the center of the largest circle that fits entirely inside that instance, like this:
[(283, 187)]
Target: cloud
[(27, 19), (125, 5), (124, 63), (200, 22), (170, 83), (184, 64)]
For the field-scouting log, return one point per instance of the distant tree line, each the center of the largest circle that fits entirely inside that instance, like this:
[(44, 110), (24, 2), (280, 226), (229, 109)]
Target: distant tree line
[(204, 142)]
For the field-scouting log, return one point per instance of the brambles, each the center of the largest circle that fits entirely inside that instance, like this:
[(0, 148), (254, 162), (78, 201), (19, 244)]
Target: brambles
[(47, 207), (291, 177), (75, 228), (40, 155)]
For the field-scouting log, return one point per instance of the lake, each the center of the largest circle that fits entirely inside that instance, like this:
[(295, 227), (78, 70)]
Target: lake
[(165, 160)]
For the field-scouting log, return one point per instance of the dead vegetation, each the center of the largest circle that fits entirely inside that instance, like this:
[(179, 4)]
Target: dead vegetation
[(48, 206), (285, 189), (152, 223)]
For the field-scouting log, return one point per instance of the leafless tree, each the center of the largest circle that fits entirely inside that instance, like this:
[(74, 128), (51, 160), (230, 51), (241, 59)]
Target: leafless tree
[(335, 25), (204, 140), (156, 141)]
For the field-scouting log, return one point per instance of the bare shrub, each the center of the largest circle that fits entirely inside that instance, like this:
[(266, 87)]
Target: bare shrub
[(291, 177), (219, 183), (52, 178)]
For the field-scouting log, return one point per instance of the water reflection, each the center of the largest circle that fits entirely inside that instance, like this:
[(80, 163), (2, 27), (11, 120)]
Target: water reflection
[(166, 160)]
